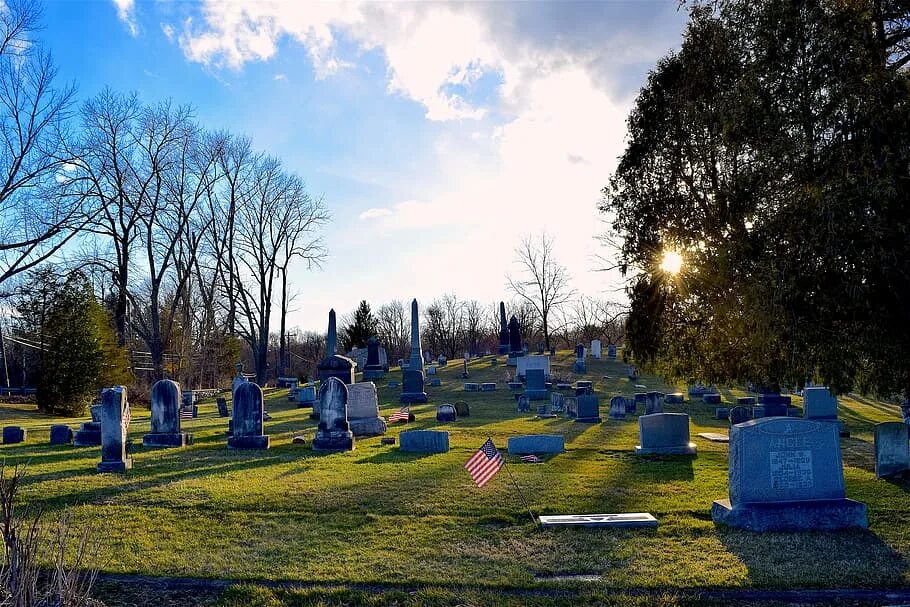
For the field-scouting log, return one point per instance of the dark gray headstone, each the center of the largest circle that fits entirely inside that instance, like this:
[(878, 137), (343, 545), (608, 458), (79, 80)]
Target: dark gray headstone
[(711, 398), (739, 415), (13, 435), (786, 475), (247, 423), (423, 441), (524, 404), (363, 410), (222, 407), (618, 407), (664, 434), (374, 368), (334, 432), (819, 403), (654, 403), (462, 409), (61, 434), (115, 422), (536, 444), (165, 416), (892, 448), (536, 388), (588, 409), (446, 413)]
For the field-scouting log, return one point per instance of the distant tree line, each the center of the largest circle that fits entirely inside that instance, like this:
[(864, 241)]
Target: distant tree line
[(772, 151)]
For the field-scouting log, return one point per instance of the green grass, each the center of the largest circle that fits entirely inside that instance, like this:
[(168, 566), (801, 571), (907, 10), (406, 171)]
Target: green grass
[(375, 515)]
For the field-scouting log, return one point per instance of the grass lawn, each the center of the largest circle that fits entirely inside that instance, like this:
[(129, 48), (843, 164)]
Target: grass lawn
[(377, 516)]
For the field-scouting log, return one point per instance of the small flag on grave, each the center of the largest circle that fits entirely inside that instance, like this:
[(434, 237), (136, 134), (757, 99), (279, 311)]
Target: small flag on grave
[(531, 459), (485, 463), (402, 415)]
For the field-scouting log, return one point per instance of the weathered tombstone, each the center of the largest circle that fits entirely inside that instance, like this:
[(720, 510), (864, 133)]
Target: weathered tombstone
[(786, 475), (654, 403), (374, 368), (464, 373), (676, 398), (524, 404), (631, 406), (446, 413), (306, 396), (819, 403), (536, 388), (579, 365), (222, 407), (557, 402), (442, 361), (462, 409), (61, 434), (165, 418), (334, 431), (892, 448), (588, 410), (618, 407), (13, 435), (413, 378), (471, 387), (363, 410), (115, 422), (95, 412), (334, 364), (488, 387), (532, 362), (664, 434), (722, 413), (536, 444), (515, 347), (435, 382), (611, 351), (739, 415), (595, 349), (503, 330), (247, 423), (423, 441), (711, 398), (431, 370), (571, 407), (239, 378)]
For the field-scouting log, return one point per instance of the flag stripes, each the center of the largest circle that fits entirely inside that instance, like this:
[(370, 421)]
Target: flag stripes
[(485, 463)]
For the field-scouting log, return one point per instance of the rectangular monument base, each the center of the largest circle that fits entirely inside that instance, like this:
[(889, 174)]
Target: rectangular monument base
[(810, 515), (413, 397), (160, 439), (631, 519), (115, 466), (260, 441), (689, 449), (533, 394), (332, 443), (588, 420)]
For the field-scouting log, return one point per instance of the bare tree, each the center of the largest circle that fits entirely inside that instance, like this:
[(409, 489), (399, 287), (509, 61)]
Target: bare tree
[(393, 329), (277, 223), (543, 282), (36, 218)]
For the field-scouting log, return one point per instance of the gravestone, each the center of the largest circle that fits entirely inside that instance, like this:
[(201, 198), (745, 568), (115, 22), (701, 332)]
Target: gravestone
[(892, 454), (61, 434), (595, 349), (462, 409), (471, 387), (579, 365), (165, 417), (654, 403), (334, 431), (374, 368), (532, 362), (524, 404), (676, 398), (715, 437), (435, 382), (557, 402), (514, 386), (739, 415), (745, 401), (239, 378), (516, 350), (536, 444), (536, 388), (423, 441), (618, 407), (785, 474), (775, 404), (363, 410), (446, 413), (442, 361), (89, 434), (711, 398), (571, 407), (664, 434), (488, 387), (503, 330), (247, 423), (625, 520), (334, 364), (723, 413), (631, 406), (13, 435), (306, 396), (222, 407), (758, 411), (588, 409), (819, 403), (611, 351), (412, 379), (115, 423), (464, 372)]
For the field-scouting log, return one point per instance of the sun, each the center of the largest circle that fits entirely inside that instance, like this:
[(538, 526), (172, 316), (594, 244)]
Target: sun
[(671, 262)]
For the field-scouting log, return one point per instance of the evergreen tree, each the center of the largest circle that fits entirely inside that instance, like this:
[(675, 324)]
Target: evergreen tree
[(360, 329)]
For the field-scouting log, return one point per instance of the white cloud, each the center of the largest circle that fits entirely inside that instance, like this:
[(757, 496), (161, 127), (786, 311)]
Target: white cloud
[(280, 77), (127, 13), (168, 31), (375, 213)]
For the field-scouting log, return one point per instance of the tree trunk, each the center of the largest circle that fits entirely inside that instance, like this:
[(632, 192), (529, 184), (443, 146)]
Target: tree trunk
[(282, 339)]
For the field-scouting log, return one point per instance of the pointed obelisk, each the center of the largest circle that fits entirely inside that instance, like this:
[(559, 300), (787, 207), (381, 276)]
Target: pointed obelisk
[(331, 338), (412, 378), (515, 349), (335, 365), (503, 330)]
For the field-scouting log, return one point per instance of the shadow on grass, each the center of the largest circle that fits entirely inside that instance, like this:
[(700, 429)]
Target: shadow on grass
[(791, 560), (393, 456)]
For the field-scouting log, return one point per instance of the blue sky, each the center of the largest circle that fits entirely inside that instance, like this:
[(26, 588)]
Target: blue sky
[(438, 134)]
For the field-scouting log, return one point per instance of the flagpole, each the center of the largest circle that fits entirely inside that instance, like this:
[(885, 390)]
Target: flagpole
[(518, 489)]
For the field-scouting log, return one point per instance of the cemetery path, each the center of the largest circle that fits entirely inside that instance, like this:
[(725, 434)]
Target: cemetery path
[(737, 596)]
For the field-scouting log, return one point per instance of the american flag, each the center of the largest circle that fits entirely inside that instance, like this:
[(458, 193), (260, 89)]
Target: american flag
[(402, 415), (485, 463), (531, 459), (186, 414)]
